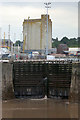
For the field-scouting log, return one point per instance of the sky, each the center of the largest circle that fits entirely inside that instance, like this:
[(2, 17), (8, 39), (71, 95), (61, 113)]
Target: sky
[(64, 16)]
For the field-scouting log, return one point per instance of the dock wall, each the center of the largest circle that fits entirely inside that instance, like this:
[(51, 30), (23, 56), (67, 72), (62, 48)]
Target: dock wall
[(75, 83), (7, 82)]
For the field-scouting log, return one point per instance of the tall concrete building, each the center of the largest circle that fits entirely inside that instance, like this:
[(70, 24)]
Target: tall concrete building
[(34, 33)]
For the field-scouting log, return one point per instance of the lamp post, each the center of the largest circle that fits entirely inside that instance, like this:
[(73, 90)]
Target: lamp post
[(18, 51), (47, 6), (28, 34)]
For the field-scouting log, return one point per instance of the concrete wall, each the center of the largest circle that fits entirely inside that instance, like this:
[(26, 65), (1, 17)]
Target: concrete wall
[(31, 30), (34, 33), (0, 90), (75, 83), (0, 80), (44, 30), (7, 81)]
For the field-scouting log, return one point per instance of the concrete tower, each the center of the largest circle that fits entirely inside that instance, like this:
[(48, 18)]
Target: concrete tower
[(34, 33)]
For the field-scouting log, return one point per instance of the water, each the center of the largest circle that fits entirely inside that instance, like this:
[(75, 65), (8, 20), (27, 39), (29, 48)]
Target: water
[(39, 108)]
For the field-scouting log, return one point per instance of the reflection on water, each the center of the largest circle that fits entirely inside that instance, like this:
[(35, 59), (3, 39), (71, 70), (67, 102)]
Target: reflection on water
[(43, 108)]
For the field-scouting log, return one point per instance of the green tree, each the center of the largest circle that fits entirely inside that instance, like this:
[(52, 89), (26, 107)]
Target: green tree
[(72, 42), (65, 40), (18, 42)]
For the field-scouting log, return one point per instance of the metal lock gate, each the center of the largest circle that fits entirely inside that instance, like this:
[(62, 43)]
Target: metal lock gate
[(35, 79)]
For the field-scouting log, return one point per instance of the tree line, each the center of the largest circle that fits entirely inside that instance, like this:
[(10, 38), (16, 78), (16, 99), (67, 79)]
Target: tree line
[(72, 42)]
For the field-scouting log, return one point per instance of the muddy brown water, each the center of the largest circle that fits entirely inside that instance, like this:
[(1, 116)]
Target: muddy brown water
[(39, 108)]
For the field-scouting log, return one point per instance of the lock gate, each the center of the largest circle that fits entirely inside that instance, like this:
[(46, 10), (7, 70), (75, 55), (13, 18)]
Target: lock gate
[(35, 79)]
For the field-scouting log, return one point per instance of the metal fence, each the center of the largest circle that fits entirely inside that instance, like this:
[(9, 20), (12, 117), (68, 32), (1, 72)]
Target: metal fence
[(35, 79)]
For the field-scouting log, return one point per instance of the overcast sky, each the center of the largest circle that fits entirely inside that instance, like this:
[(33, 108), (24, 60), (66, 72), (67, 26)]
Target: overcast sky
[(64, 16)]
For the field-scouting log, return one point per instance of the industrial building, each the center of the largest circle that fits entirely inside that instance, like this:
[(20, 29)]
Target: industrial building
[(61, 48), (34, 34), (6, 43)]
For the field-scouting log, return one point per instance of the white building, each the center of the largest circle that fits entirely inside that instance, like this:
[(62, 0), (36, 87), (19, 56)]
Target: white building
[(74, 50), (34, 33)]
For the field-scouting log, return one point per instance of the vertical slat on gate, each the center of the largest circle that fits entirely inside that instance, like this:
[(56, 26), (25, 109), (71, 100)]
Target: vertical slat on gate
[(59, 79)]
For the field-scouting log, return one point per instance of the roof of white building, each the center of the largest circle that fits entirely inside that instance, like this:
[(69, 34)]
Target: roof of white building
[(74, 49)]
